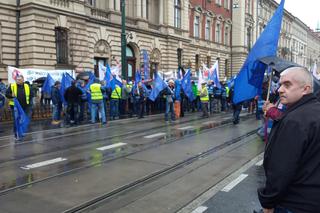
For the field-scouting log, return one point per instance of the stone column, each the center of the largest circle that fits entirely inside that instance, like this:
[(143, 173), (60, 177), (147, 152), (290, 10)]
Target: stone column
[(117, 6), (144, 9), (111, 4), (138, 9), (161, 11)]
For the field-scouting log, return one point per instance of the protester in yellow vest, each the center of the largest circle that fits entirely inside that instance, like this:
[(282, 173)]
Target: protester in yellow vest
[(23, 93), (114, 103), (97, 102), (204, 98)]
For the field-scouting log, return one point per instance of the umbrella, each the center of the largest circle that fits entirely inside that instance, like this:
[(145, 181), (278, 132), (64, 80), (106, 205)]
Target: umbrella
[(84, 75), (278, 64), (40, 80)]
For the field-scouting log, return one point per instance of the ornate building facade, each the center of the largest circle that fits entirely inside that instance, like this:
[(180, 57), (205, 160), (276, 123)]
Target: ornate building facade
[(210, 34), (80, 34), (76, 34)]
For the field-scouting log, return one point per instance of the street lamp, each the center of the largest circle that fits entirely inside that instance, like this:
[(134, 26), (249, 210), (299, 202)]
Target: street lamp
[(123, 39)]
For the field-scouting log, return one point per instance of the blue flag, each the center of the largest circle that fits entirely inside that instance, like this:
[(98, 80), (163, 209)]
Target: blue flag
[(249, 80), (91, 80), (65, 83), (177, 91), (108, 77), (215, 78), (21, 120), (186, 85), (158, 86), (47, 85), (111, 81), (146, 65)]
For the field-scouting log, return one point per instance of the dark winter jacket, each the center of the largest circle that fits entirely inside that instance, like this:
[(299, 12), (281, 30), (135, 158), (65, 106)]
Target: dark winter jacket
[(56, 96), (292, 159), (72, 95)]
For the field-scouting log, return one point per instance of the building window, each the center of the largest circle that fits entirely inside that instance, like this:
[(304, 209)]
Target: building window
[(218, 32), (177, 13), (179, 54), (197, 27), (208, 61), (226, 68), (147, 9), (197, 62), (226, 36), (92, 3), (208, 30), (227, 4), (249, 38), (61, 45), (218, 2)]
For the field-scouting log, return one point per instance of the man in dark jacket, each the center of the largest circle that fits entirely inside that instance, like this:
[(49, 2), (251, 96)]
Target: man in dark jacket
[(291, 158), (56, 103), (72, 96)]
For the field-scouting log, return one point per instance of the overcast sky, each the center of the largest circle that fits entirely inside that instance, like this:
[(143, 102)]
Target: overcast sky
[(307, 11)]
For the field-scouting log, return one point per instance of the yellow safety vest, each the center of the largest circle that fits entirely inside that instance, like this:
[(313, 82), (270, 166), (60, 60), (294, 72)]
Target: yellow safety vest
[(14, 90), (96, 94), (204, 98), (227, 92), (116, 93)]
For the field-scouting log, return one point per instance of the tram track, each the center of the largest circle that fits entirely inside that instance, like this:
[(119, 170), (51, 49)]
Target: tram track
[(155, 142), (91, 204), (168, 139)]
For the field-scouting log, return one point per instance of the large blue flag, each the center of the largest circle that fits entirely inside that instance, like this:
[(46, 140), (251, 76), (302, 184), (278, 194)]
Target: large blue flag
[(250, 78), (65, 83), (47, 85), (177, 89), (146, 65), (158, 86), (21, 120), (186, 85)]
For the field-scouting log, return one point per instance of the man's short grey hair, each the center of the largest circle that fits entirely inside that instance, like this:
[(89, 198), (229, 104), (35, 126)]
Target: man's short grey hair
[(303, 76)]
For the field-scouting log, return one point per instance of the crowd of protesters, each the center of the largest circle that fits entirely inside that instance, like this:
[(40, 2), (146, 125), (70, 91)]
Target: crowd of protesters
[(81, 104)]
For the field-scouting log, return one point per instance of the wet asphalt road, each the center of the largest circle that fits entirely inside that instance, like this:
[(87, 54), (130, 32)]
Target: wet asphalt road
[(81, 159)]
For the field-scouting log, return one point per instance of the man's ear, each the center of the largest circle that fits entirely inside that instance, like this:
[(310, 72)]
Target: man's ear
[(306, 89)]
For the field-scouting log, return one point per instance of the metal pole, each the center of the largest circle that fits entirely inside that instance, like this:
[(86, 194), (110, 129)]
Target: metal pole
[(17, 33), (123, 40)]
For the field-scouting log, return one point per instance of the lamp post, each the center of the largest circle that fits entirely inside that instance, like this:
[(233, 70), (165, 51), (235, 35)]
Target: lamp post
[(123, 39)]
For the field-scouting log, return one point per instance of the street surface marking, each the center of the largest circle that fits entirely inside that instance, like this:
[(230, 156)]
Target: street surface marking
[(111, 146), (186, 127), (200, 209), (208, 122), (259, 163), (155, 135), (233, 183), (43, 163)]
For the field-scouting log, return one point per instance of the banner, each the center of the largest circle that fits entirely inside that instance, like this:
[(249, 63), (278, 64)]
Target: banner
[(33, 74)]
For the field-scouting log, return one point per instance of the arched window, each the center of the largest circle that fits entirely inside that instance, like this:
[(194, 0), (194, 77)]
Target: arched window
[(129, 52)]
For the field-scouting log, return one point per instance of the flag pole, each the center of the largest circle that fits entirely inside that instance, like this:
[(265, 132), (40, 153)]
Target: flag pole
[(270, 80)]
